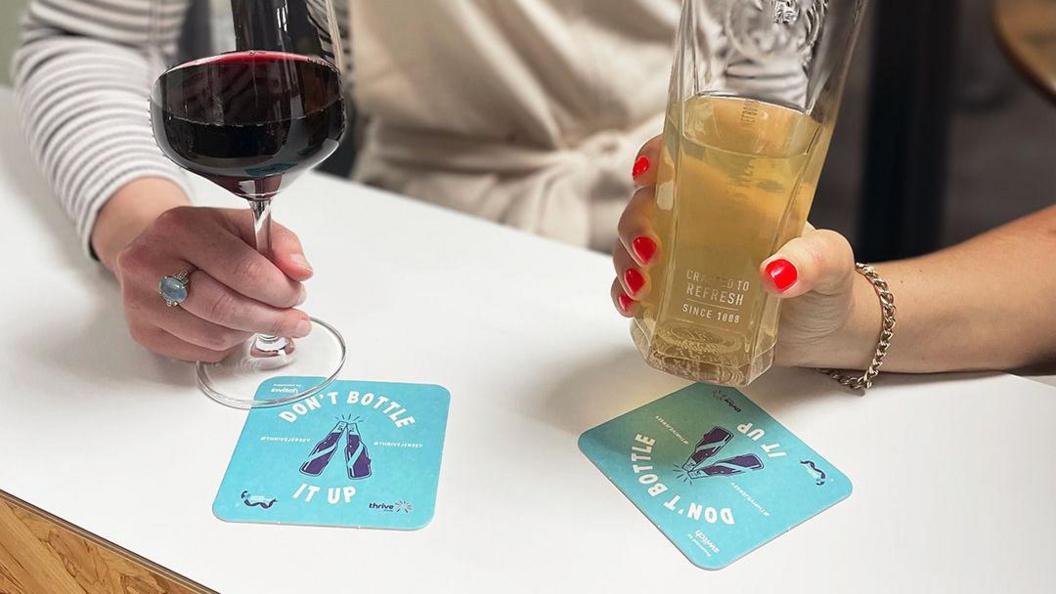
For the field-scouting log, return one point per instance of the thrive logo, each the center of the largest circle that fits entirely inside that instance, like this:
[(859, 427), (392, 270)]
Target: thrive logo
[(399, 506)]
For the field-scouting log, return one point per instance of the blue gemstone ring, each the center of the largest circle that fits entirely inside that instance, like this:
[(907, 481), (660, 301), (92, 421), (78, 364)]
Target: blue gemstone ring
[(173, 289)]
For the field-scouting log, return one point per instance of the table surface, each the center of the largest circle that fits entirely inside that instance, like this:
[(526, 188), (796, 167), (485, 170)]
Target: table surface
[(1027, 30), (953, 480)]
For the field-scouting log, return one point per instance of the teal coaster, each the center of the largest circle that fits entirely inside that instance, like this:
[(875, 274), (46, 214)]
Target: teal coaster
[(714, 472), (359, 454)]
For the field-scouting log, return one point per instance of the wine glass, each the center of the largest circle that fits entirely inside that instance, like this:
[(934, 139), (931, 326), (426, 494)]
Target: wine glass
[(254, 102)]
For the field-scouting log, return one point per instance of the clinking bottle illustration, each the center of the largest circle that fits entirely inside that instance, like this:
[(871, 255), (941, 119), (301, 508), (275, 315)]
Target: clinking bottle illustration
[(357, 458), (324, 451), (710, 443), (728, 467), (696, 465)]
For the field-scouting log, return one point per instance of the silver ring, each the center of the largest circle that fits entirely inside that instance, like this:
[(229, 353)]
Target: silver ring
[(173, 289)]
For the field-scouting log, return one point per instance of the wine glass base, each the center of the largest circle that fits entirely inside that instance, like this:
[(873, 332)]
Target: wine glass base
[(234, 381)]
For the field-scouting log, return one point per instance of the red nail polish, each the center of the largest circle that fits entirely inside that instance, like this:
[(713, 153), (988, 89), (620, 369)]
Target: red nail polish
[(625, 302), (644, 248), (782, 273), (635, 280), (641, 165)]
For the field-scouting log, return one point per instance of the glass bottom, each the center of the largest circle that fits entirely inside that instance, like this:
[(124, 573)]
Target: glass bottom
[(233, 382), (734, 371)]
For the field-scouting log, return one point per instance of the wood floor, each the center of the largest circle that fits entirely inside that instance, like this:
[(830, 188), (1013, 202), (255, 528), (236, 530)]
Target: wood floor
[(41, 554)]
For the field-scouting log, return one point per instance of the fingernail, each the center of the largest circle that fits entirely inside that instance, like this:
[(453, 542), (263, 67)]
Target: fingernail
[(301, 261), (304, 328), (782, 273), (303, 297), (625, 302), (644, 248), (635, 280), (641, 165)]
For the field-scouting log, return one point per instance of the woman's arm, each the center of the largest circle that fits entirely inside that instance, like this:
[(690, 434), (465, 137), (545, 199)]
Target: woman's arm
[(988, 303), (83, 76)]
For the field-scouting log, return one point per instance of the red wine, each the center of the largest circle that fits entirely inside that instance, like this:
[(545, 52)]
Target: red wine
[(249, 121)]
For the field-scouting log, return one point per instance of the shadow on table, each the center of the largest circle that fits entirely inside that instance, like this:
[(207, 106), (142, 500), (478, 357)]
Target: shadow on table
[(600, 386), (605, 385), (96, 351)]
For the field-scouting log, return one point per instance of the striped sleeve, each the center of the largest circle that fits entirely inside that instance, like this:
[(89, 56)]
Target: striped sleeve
[(82, 78)]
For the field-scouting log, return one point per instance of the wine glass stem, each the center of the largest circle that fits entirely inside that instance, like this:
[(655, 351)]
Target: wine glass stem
[(262, 230), (262, 225)]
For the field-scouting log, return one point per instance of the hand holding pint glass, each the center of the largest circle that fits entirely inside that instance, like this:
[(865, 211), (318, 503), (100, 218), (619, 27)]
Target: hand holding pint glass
[(754, 95)]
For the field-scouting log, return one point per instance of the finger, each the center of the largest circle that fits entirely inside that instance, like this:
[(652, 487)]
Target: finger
[(633, 280), (231, 261), (646, 162), (624, 304), (147, 309), (216, 244), (202, 333), (286, 250), (167, 345), (216, 303), (288, 254), (209, 239), (821, 260), (635, 227)]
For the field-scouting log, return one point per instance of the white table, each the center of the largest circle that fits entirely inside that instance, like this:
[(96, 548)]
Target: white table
[(954, 484)]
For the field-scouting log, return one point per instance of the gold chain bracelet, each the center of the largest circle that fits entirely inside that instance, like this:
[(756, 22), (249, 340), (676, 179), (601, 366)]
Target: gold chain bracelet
[(887, 332)]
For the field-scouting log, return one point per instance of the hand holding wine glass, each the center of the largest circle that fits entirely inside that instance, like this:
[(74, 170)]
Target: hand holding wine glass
[(237, 292), (262, 105)]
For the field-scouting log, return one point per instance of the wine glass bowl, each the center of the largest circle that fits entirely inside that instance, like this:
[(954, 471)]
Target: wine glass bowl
[(250, 111), (250, 121)]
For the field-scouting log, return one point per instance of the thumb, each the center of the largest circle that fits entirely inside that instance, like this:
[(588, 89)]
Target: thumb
[(820, 260), (288, 255), (286, 251)]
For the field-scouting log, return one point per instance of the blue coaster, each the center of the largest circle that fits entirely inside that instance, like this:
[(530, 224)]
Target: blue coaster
[(360, 454), (714, 472)]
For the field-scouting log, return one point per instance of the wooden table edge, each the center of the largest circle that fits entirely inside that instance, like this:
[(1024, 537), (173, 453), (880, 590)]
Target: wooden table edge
[(106, 545)]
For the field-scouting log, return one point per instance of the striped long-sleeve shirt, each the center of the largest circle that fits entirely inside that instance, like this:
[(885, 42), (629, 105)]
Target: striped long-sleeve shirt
[(526, 112), (83, 74)]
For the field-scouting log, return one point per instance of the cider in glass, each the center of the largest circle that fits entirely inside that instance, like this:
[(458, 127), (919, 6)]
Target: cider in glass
[(754, 94)]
